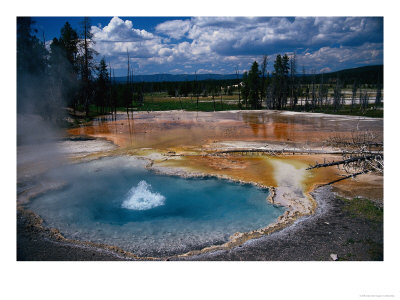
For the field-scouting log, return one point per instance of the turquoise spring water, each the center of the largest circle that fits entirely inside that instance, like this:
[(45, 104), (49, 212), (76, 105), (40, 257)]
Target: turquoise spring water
[(116, 201)]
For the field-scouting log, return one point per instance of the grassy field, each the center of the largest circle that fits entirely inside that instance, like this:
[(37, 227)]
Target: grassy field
[(347, 110), (367, 211), (363, 208), (162, 102)]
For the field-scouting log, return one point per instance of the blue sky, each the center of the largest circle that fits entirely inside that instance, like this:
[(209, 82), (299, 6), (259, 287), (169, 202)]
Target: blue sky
[(221, 44)]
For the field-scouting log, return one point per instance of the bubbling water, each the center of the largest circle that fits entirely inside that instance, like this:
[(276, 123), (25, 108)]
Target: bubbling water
[(142, 198)]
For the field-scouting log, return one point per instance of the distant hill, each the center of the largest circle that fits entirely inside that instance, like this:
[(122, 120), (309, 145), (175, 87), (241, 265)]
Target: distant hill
[(365, 75), (176, 77)]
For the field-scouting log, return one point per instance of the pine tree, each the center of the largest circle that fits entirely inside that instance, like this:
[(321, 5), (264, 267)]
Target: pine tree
[(263, 79), (64, 65), (245, 88), (69, 43), (277, 77), (32, 70), (378, 98), (285, 78), (102, 85), (87, 65), (293, 83), (254, 86)]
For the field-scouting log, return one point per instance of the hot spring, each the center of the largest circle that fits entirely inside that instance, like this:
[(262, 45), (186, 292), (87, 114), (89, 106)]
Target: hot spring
[(117, 201)]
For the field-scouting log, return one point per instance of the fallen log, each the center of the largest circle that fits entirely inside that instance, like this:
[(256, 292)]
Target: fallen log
[(344, 178), (346, 161), (293, 151), (355, 143)]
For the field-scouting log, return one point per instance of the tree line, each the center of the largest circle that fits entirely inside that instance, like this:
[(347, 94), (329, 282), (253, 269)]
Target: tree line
[(67, 75), (286, 89)]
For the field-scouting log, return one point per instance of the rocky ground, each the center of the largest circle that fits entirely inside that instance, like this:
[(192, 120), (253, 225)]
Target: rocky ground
[(34, 244)]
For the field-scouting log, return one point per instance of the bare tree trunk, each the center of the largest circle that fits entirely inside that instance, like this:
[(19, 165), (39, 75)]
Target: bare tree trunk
[(344, 178), (128, 85), (213, 98), (197, 93), (353, 95), (115, 100), (346, 161), (378, 99), (237, 76), (313, 92), (293, 97), (263, 69), (337, 95), (358, 158)]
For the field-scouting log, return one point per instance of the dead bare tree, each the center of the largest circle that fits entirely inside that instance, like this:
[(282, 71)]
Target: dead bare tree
[(337, 95), (178, 91), (353, 95), (362, 152), (313, 90), (263, 69), (128, 84), (269, 95), (293, 87), (196, 88), (364, 99), (220, 92), (378, 98), (320, 96), (238, 80), (213, 96)]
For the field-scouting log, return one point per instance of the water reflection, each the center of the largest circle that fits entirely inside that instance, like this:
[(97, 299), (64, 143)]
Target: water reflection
[(173, 129), (257, 122), (131, 129)]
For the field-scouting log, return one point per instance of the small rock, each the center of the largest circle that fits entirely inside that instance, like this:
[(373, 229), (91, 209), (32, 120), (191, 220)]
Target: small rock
[(326, 223), (334, 256)]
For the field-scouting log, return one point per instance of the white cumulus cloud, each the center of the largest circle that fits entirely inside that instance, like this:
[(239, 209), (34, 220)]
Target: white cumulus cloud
[(174, 29), (222, 44)]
